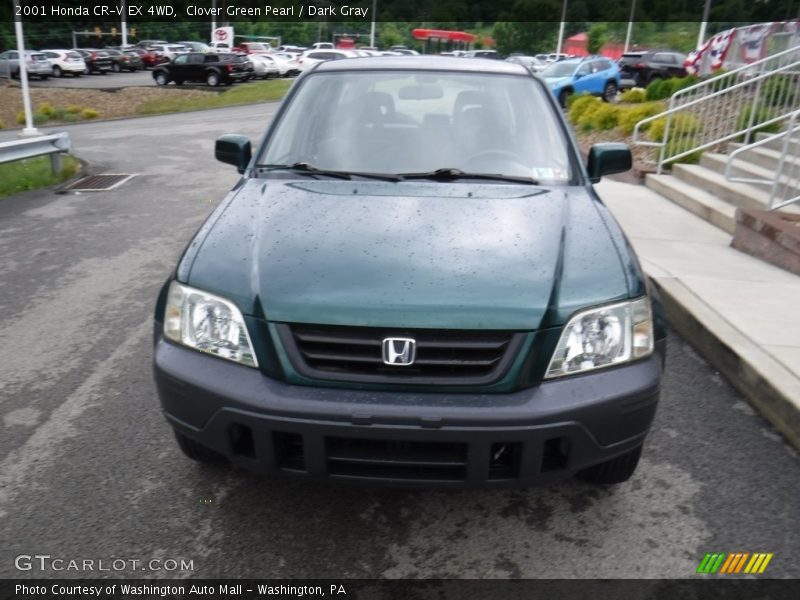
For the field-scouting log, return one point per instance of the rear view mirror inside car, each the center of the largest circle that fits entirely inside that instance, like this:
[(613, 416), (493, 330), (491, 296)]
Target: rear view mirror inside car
[(424, 91)]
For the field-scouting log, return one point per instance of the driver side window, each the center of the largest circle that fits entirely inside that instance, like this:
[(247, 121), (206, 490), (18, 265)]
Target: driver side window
[(584, 70), (182, 59)]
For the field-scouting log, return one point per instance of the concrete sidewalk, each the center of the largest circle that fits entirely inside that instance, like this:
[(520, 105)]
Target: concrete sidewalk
[(739, 312)]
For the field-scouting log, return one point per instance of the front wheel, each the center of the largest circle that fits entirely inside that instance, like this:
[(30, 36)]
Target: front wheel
[(616, 470), (212, 79), (117, 68), (57, 71), (562, 98), (161, 78), (610, 92)]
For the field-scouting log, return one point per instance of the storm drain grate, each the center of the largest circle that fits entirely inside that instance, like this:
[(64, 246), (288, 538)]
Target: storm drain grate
[(98, 183)]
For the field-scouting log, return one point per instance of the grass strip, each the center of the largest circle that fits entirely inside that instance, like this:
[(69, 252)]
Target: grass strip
[(252, 93), (34, 173)]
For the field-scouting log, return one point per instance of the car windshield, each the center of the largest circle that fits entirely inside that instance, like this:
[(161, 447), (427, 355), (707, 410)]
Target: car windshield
[(559, 69), (406, 122)]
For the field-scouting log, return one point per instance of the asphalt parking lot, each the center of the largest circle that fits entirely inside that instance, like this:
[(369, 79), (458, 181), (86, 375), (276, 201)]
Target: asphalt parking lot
[(89, 468), (96, 81)]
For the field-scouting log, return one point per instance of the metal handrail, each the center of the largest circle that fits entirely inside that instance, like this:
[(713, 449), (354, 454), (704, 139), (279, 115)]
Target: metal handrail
[(786, 181), (733, 91)]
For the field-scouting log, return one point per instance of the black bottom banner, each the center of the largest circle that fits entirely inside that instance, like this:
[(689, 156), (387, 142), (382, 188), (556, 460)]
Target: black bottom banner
[(707, 588)]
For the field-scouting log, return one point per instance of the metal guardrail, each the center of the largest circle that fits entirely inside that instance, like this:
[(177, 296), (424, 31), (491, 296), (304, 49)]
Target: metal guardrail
[(785, 183), (727, 107), (52, 145)]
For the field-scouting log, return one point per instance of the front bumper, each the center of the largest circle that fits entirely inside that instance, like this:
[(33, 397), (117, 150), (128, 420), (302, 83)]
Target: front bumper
[(536, 435)]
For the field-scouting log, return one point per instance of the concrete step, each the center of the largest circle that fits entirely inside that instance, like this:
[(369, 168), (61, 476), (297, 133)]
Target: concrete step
[(761, 156), (737, 194), (742, 168), (794, 143), (697, 201)]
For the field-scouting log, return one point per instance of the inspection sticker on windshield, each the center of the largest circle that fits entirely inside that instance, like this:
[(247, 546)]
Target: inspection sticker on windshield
[(548, 174)]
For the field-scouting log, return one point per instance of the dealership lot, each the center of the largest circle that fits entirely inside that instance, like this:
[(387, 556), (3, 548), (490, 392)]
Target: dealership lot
[(90, 471)]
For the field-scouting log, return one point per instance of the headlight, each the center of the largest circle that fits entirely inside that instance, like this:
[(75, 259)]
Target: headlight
[(604, 336), (207, 323)]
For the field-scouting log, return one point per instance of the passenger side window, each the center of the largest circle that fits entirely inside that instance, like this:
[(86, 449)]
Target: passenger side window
[(182, 59), (211, 58), (195, 59), (584, 70)]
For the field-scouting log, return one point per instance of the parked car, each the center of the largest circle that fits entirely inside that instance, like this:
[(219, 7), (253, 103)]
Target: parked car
[(413, 283), (311, 57), (594, 75), (97, 61), (195, 46), (149, 59), (213, 69), (124, 60), (528, 61), (264, 66), (638, 69), (287, 62), (144, 44), (66, 62), (482, 54), (36, 64), (253, 48), (168, 51)]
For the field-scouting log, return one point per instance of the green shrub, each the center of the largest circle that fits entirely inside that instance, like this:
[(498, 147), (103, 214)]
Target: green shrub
[(679, 83), (629, 116), (21, 117), (682, 144), (601, 118), (46, 109), (89, 113), (658, 89), (74, 109), (779, 91), (582, 104), (683, 124), (40, 118), (58, 113), (762, 114), (2, 124), (633, 95), (69, 117), (572, 98)]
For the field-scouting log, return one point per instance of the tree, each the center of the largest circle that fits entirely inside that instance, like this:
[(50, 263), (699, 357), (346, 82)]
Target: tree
[(598, 36)]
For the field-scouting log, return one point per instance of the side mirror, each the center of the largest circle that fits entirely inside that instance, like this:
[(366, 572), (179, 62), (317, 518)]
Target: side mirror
[(233, 150), (607, 159)]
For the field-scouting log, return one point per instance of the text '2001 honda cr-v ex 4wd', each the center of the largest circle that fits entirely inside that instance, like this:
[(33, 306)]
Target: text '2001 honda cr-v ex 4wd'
[(413, 283)]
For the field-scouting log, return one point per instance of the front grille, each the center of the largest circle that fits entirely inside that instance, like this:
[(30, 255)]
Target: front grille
[(443, 357)]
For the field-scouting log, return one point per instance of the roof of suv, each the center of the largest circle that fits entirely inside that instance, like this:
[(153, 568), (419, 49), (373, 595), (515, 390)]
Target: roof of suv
[(423, 63)]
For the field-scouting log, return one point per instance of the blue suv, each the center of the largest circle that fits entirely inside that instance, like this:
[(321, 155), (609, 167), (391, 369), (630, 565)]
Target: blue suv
[(594, 75)]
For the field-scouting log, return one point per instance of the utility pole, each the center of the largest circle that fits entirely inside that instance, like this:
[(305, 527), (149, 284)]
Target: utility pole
[(124, 25), (561, 26), (703, 24), (29, 129), (630, 26), (213, 18), (372, 26)]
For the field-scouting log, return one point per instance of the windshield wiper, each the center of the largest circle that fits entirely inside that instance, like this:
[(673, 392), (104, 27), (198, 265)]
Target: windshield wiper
[(304, 167), (449, 174)]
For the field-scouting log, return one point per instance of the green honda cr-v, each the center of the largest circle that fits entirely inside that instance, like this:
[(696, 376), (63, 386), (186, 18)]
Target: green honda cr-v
[(413, 283)]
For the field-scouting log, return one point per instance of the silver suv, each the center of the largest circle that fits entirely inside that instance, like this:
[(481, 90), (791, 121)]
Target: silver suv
[(36, 64)]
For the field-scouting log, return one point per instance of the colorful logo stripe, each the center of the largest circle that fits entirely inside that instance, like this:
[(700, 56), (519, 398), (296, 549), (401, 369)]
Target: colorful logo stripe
[(734, 563)]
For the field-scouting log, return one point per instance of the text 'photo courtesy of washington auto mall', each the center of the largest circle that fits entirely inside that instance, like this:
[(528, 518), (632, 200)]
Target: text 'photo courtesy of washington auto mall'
[(400, 299)]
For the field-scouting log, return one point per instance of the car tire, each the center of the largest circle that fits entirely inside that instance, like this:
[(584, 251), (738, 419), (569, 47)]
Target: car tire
[(610, 92), (116, 68), (614, 471), (57, 72), (197, 452), (562, 97), (212, 79), (161, 78), (179, 82)]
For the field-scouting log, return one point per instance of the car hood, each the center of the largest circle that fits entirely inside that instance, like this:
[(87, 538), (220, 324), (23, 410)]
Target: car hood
[(557, 81), (410, 254)]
